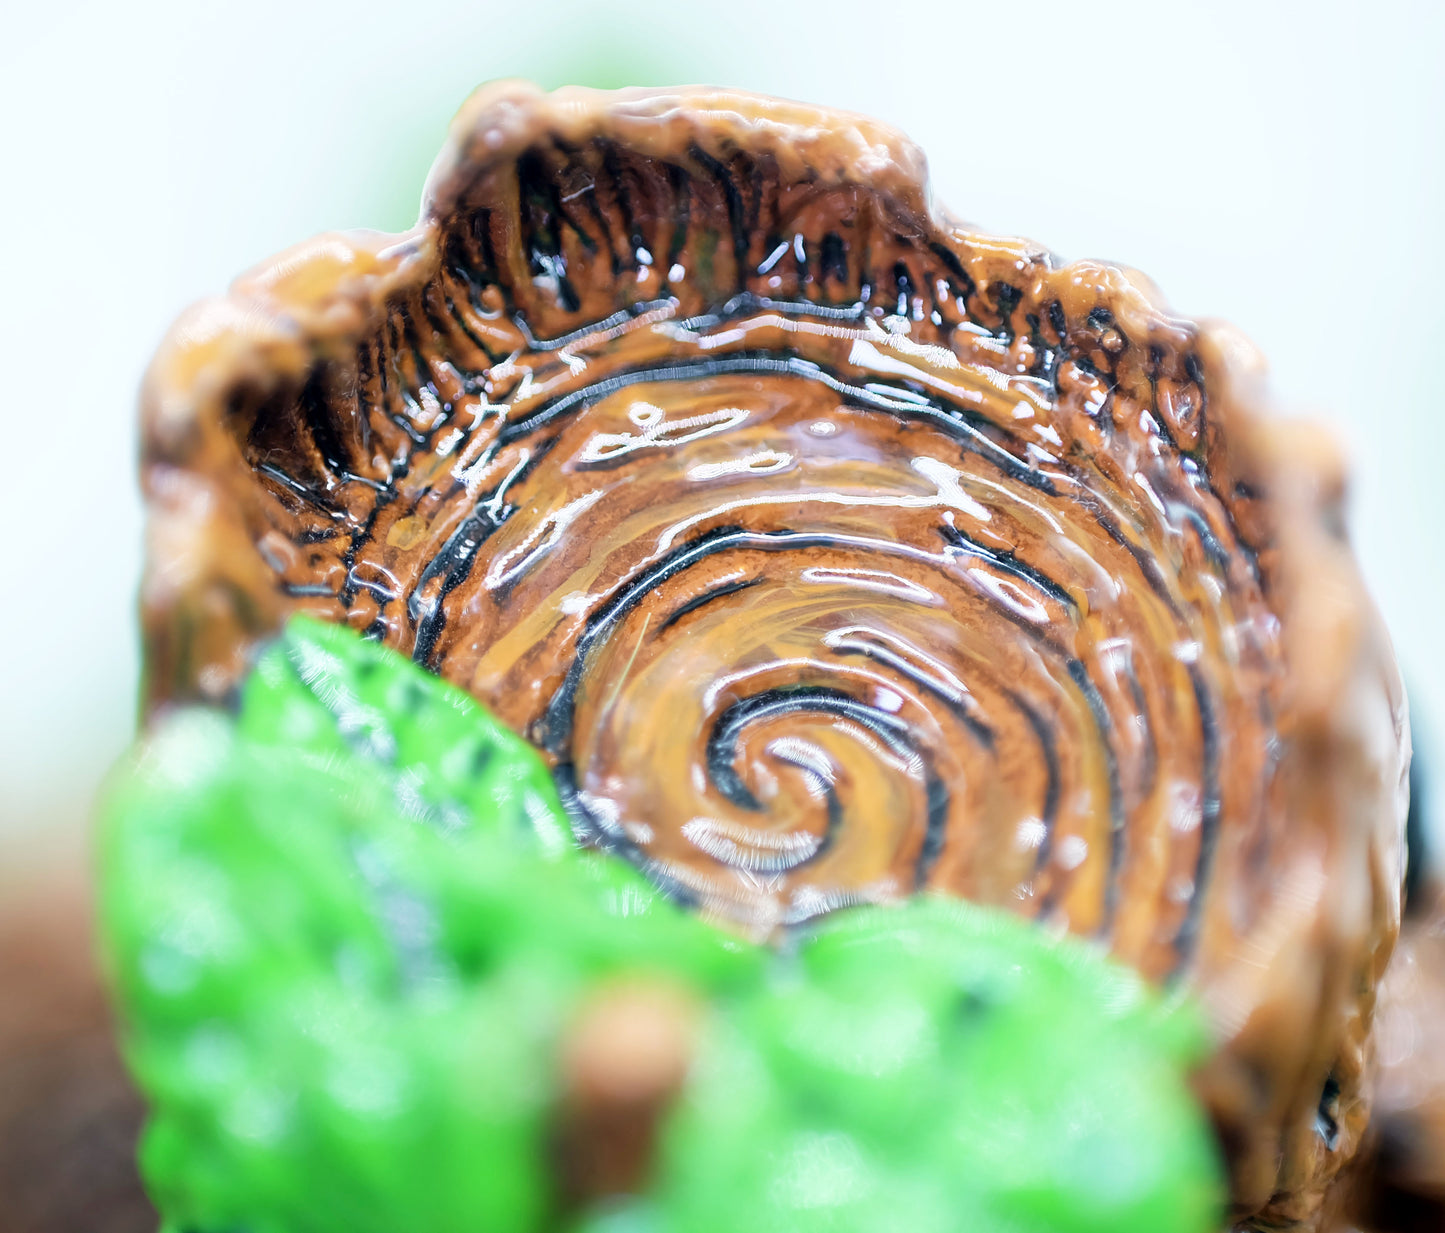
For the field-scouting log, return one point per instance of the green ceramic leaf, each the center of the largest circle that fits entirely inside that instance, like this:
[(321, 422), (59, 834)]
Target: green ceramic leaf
[(939, 1066), (348, 926), (341, 976), (322, 689)]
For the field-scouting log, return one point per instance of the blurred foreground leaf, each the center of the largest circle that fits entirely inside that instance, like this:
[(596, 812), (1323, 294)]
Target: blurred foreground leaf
[(349, 930)]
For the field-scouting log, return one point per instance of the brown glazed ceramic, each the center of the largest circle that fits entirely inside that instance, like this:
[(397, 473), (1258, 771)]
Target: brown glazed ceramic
[(830, 550)]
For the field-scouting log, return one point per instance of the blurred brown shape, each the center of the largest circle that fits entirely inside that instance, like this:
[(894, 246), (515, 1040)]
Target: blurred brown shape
[(68, 1115), (623, 1062), (1401, 1184)]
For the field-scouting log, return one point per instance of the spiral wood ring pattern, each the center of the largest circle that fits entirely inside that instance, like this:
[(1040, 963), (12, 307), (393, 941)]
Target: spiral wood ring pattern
[(829, 550)]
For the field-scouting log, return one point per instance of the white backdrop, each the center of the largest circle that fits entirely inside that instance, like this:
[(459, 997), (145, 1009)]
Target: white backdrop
[(1280, 164)]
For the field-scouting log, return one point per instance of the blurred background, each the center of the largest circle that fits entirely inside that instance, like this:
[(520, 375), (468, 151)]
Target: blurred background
[(1278, 164)]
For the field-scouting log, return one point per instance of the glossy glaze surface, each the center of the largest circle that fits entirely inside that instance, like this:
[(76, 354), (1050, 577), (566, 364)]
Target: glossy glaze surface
[(804, 613), (828, 550), (804, 605)]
